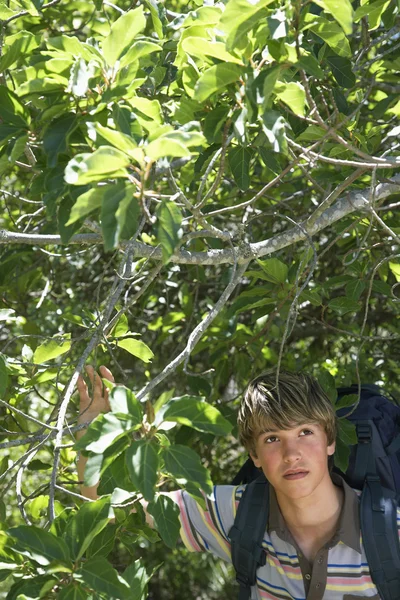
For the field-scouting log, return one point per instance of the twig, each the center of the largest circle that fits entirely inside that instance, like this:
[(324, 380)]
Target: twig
[(26, 12), (125, 270), (196, 333)]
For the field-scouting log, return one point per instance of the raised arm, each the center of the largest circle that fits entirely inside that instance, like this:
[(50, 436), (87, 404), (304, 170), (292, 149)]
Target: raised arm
[(89, 408)]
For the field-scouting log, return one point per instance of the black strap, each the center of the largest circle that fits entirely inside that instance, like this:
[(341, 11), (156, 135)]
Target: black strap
[(378, 519), (364, 461), (247, 534)]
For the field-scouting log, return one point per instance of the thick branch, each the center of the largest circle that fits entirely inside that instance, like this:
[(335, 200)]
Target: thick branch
[(353, 201)]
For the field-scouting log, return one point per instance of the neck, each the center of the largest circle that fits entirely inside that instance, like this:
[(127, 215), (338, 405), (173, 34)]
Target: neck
[(320, 510)]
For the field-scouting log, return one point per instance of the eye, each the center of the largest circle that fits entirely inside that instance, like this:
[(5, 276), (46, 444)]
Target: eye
[(306, 432), (270, 439)]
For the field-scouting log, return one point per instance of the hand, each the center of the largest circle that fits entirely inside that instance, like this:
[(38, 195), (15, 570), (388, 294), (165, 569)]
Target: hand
[(91, 407)]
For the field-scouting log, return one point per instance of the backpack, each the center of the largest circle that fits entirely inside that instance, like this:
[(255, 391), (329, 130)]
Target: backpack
[(374, 468)]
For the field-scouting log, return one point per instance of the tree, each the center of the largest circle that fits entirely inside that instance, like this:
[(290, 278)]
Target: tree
[(192, 194)]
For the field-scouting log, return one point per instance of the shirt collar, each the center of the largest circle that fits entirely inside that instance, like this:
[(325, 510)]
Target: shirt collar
[(348, 528)]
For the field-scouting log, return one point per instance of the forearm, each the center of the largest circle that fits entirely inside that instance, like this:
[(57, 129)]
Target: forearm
[(88, 492)]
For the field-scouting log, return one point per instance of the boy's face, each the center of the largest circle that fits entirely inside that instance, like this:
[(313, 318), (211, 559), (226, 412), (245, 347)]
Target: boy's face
[(294, 460)]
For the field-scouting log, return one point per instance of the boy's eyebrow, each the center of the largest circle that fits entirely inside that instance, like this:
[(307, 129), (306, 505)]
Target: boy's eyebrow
[(264, 431)]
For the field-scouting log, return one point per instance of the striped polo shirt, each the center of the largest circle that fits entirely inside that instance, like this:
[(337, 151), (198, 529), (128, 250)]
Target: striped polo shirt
[(339, 570)]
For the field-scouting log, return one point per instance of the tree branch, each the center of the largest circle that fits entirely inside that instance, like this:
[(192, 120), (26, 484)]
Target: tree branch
[(196, 333), (354, 201)]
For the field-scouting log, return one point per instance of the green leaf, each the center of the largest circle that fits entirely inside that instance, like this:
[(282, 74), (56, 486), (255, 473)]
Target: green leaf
[(17, 46), (137, 578), (158, 17), (103, 543), (185, 466), (119, 140), (274, 128), (342, 455), (165, 146), (342, 70), (73, 46), (123, 32), (311, 133), (3, 376), (239, 17), (214, 79), (136, 348), (119, 213), (51, 349), (103, 162), (39, 545), (166, 519), (83, 527), (193, 412), (56, 137), (343, 305), (169, 230), (346, 401), (124, 402), (79, 78), (341, 10), (12, 112), (311, 66), (102, 432), (87, 203), (73, 591), (292, 94), (239, 161), (142, 462), (274, 270), (137, 50), (327, 382), (93, 469), (331, 33), (372, 10), (347, 432), (354, 289), (196, 46), (98, 574), (38, 465)]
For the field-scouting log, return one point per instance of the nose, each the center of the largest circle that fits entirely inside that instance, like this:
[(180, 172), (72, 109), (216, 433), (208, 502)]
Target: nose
[(290, 451)]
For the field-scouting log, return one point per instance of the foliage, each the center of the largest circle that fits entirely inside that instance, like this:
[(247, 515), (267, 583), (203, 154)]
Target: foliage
[(192, 194)]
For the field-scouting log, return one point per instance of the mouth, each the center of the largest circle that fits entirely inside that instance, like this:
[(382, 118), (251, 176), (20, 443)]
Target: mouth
[(291, 475)]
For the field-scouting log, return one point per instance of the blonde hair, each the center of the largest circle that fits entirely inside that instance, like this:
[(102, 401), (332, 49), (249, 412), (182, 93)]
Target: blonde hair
[(300, 400)]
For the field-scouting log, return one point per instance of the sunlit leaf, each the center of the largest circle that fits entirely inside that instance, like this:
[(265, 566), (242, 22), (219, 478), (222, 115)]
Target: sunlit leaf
[(51, 349), (136, 348), (169, 230), (193, 412), (123, 32), (215, 78)]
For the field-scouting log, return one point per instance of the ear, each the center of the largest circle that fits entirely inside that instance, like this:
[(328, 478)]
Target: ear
[(255, 460), (331, 449)]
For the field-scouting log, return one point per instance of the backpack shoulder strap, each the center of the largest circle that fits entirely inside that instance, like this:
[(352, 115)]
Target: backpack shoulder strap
[(247, 533), (378, 519)]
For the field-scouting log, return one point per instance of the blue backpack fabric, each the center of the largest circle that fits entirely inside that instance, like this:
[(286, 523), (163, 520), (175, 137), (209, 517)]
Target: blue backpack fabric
[(379, 418), (374, 468)]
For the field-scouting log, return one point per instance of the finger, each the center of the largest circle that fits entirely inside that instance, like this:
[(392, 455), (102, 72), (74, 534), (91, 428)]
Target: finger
[(106, 374), (82, 388), (95, 380)]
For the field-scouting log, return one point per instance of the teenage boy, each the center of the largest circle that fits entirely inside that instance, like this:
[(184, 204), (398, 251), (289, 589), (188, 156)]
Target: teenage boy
[(313, 545)]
